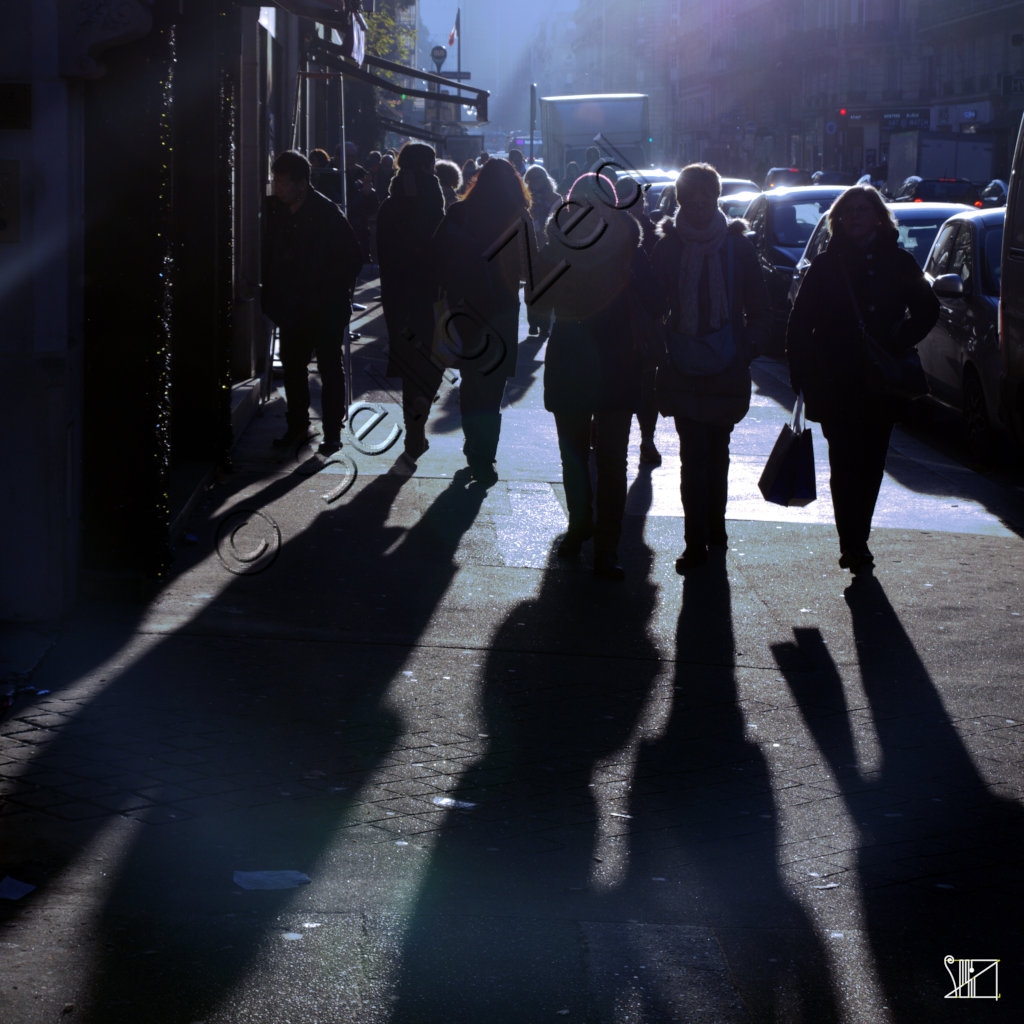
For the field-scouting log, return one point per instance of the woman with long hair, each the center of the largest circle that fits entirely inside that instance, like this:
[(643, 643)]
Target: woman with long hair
[(544, 200), (862, 278), (480, 268)]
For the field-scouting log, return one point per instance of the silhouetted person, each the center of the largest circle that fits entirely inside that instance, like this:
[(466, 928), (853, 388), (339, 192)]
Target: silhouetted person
[(709, 274), (544, 200), (863, 274), (323, 177), (481, 278), (450, 177), (311, 259), (406, 223), (592, 371)]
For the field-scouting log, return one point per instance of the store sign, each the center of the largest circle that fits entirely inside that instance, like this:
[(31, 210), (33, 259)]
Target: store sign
[(896, 120)]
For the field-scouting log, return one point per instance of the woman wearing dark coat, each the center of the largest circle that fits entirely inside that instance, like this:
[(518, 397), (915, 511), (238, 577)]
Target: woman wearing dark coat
[(478, 257), (406, 222), (691, 265), (544, 200), (863, 275), (595, 357)]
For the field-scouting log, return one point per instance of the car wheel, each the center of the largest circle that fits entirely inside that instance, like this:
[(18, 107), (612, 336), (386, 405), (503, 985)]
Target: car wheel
[(975, 413)]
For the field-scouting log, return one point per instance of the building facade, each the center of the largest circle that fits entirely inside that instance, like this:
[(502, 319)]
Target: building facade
[(820, 84)]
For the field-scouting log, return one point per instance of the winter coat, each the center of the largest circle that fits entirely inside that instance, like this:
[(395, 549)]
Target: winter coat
[(311, 259), (723, 398), (487, 284), (823, 336), (596, 351), (406, 222)]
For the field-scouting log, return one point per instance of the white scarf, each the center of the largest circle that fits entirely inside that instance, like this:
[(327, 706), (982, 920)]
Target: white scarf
[(700, 249)]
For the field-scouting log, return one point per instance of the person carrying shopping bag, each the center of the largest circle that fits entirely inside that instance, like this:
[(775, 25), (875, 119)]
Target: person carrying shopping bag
[(862, 291)]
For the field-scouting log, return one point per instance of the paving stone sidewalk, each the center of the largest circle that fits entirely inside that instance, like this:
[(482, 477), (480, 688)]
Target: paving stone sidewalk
[(519, 793)]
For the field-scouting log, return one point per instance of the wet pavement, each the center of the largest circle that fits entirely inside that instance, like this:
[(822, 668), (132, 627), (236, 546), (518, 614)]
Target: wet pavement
[(520, 793)]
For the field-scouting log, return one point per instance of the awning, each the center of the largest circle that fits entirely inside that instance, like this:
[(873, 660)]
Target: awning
[(335, 13), (329, 54)]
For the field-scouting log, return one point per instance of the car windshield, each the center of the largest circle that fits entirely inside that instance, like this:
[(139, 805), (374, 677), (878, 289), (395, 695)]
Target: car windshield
[(792, 223), (917, 237), (991, 260)]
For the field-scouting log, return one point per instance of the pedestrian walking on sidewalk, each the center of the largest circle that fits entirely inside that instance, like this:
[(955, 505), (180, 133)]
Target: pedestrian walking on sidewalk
[(311, 259), (595, 357), (544, 200), (480, 266), (718, 318), (450, 177), (862, 277), (406, 223)]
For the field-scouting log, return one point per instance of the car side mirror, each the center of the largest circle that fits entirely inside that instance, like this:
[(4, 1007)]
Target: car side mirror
[(948, 286)]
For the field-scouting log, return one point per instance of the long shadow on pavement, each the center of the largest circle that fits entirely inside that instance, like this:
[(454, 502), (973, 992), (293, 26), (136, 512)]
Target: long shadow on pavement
[(938, 854), (240, 753), (734, 946), (496, 933)]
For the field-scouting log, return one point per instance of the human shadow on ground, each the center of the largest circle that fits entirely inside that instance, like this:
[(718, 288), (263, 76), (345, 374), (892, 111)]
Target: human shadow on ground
[(734, 943), (495, 933), (211, 751), (938, 853)]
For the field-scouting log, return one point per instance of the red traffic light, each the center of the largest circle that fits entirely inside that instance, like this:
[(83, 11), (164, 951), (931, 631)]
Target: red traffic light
[(842, 111)]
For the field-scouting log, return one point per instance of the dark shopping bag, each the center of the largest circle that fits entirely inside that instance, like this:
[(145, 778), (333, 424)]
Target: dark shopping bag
[(788, 476)]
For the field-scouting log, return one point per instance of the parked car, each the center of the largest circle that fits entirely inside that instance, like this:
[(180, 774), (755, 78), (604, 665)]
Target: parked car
[(786, 177), (735, 204), (781, 222), (730, 186), (960, 355), (918, 224), (916, 189)]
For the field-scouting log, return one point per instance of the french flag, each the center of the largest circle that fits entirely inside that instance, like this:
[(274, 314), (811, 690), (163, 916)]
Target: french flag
[(454, 34)]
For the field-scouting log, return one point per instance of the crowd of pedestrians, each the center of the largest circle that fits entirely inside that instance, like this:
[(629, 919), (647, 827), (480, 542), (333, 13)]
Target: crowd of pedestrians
[(638, 321)]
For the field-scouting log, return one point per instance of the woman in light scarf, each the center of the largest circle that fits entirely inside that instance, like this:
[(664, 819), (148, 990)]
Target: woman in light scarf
[(708, 272)]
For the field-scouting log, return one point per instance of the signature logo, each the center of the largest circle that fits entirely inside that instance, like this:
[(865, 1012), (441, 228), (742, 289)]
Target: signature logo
[(974, 979)]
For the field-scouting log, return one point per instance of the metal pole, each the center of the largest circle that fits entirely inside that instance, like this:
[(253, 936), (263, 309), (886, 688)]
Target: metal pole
[(347, 346), (533, 115)]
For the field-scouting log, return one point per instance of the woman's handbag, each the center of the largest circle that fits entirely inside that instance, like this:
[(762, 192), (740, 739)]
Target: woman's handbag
[(897, 377), (705, 355), (788, 476), (885, 375)]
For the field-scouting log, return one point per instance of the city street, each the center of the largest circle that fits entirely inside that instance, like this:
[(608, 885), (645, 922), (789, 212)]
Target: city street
[(494, 788)]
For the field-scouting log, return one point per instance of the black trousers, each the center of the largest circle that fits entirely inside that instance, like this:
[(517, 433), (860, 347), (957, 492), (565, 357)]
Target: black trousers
[(480, 396), (703, 480), (647, 414), (612, 442), (297, 348), (857, 447)]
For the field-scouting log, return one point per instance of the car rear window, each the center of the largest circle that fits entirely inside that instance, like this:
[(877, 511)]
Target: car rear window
[(947, 192)]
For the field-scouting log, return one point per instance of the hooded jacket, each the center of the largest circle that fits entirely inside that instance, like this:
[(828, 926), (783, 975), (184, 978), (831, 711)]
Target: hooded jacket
[(722, 398)]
